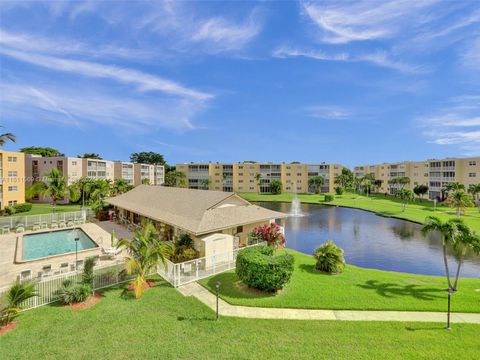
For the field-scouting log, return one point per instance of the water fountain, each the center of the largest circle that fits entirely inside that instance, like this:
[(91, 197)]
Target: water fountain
[(295, 209)]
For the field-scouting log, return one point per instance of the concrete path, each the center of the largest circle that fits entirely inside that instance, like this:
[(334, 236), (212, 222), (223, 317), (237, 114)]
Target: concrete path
[(226, 309)]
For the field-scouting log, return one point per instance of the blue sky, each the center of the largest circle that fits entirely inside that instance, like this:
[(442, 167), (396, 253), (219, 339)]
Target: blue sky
[(348, 82)]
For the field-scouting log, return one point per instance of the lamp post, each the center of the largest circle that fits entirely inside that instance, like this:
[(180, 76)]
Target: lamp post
[(217, 286), (76, 252), (434, 204)]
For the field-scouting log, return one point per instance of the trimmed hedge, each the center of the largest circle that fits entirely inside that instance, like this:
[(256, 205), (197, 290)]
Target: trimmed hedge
[(328, 197), (17, 208), (257, 267)]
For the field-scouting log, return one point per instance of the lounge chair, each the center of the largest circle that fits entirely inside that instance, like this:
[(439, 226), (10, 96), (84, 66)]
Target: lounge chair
[(20, 228), (46, 270), (63, 268), (25, 275), (54, 224), (36, 227), (44, 225), (70, 223), (61, 224), (5, 229), (111, 253)]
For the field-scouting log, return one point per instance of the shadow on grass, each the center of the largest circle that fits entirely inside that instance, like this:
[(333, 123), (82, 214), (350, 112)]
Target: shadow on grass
[(233, 287), (192, 318), (391, 290), (432, 328), (310, 268)]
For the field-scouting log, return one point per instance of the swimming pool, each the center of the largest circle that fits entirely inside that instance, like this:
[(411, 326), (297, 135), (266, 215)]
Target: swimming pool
[(40, 245)]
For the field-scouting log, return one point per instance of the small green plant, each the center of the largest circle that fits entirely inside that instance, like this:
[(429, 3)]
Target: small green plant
[(339, 190), (184, 240), (70, 293), (88, 274), (328, 197), (329, 258), (258, 268), (112, 239), (13, 300)]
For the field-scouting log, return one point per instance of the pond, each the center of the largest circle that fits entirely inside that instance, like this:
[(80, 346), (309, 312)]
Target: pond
[(369, 240)]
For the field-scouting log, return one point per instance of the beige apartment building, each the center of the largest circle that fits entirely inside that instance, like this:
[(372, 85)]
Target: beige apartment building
[(256, 177), (12, 174), (435, 173)]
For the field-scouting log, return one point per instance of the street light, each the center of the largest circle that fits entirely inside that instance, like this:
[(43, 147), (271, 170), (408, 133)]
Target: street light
[(76, 252), (217, 286)]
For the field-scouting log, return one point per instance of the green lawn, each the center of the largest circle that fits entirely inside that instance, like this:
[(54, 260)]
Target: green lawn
[(166, 325), (39, 209), (356, 289), (383, 205)]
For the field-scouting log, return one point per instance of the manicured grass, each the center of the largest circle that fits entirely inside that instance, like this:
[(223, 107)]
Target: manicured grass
[(166, 325), (383, 205), (356, 289), (39, 209)]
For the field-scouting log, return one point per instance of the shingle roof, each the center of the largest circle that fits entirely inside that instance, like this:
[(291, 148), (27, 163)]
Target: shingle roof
[(197, 211)]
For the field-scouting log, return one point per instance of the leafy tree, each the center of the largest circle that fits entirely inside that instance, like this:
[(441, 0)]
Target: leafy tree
[(453, 186), (276, 187), (345, 179), (420, 190), (55, 187), (377, 183), (330, 258), (42, 151), (205, 184), (258, 179), (147, 158), (146, 251), (176, 179), (15, 296), (458, 199), (98, 190), (405, 195), (400, 180), (367, 182), (120, 186), (7, 137), (90, 156), (316, 183), (474, 189), (456, 234), (169, 168)]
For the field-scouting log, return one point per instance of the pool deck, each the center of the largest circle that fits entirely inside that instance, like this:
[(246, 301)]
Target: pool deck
[(100, 232)]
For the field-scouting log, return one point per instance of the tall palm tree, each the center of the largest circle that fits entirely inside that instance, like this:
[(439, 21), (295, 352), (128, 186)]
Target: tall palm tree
[(367, 180), (120, 186), (146, 251), (6, 137), (16, 295), (99, 190), (459, 199), (405, 195), (455, 233), (54, 187), (316, 183)]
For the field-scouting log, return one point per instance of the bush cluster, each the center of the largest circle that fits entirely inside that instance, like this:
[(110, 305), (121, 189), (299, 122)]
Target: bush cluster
[(17, 208), (339, 190), (258, 268), (329, 258), (184, 249), (328, 197)]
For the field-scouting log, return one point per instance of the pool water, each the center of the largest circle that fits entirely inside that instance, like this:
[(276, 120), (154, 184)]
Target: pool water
[(36, 246), (370, 240)]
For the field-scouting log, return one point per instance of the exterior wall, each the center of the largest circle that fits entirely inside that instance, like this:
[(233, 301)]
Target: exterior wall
[(98, 169), (12, 173), (124, 170), (143, 172), (159, 174), (242, 177)]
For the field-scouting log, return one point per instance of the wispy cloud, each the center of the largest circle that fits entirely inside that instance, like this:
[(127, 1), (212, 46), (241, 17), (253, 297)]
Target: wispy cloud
[(143, 81), (327, 112), (380, 58)]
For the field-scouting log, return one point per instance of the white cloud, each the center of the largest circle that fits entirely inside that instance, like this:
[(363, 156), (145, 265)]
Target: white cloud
[(328, 112), (143, 81), (471, 55), (378, 58)]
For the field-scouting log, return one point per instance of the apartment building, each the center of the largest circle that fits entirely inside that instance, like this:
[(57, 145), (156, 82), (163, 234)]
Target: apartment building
[(256, 177), (98, 169), (435, 173), (124, 170), (12, 176)]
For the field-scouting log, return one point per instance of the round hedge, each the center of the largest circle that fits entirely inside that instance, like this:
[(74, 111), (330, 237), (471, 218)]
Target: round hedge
[(257, 267)]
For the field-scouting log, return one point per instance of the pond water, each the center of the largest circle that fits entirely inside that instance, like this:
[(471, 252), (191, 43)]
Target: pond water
[(369, 240)]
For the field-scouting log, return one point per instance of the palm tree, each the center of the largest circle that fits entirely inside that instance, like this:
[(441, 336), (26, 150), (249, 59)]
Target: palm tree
[(453, 186), (258, 178), (120, 186), (205, 184), (455, 233), (16, 295), (316, 183), (99, 190), (55, 187), (460, 200), (474, 189), (146, 252), (367, 181), (6, 137), (405, 195)]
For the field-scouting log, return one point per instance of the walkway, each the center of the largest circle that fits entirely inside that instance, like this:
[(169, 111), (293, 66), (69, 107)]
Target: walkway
[(226, 309)]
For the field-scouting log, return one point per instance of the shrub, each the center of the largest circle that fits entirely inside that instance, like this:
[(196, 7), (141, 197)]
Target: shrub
[(270, 233), (329, 258), (276, 187), (71, 293), (88, 275), (184, 240), (19, 208), (183, 253), (328, 197), (13, 300), (339, 190), (257, 267), (10, 210)]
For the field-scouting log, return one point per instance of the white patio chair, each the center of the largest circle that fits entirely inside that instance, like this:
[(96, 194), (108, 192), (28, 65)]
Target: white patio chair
[(46, 270), (44, 225), (5, 229), (25, 275), (36, 227), (63, 268), (54, 224), (20, 228), (61, 224), (70, 223)]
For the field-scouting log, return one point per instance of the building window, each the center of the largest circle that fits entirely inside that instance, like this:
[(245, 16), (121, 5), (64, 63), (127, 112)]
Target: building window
[(12, 159), (12, 202), (472, 163), (12, 174), (239, 229), (12, 188), (472, 175)]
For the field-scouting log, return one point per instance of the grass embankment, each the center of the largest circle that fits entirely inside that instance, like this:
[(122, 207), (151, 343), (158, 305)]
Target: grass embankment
[(356, 289), (40, 209), (388, 206), (165, 325)]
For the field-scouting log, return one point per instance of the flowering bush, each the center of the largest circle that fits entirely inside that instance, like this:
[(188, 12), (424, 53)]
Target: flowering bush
[(270, 233)]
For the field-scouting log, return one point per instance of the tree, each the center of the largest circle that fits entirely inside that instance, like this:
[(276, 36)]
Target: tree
[(42, 151), (54, 187), (258, 179), (345, 179), (7, 137), (176, 179), (458, 199), (276, 187), (150, 157), (120, 186), (15, 296), (455, 233), (146, 181), (367, 182), (377, 183), (90, 156), (316, 183), (474, 189), (453, 186), (400, 180), (270, 233), (204, 184), (98, 191), (420, 190), (146, 251), (405, 195)]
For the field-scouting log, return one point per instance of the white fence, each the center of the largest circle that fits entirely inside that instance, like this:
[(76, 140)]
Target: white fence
[(47, 289), (45, 220), (193, 270)]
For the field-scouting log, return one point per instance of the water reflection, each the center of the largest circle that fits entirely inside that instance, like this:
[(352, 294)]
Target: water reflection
[(369, 240)]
